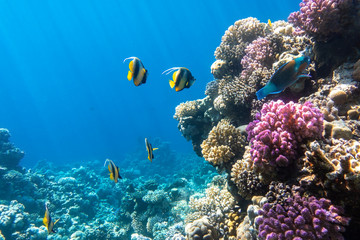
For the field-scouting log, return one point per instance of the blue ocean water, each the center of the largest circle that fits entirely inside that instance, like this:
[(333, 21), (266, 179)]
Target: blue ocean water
[(64, 95)]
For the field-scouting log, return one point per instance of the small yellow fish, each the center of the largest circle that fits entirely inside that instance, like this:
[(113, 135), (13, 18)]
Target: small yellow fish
[(182, 78), (114, 170), (149, 150), (47, 220), (269, 23), (137, 71)]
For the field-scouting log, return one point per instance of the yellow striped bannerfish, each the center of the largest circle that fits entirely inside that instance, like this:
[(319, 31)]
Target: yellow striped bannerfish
[(137, 71), (48, 222), (114, 170), (182, 78), (149, 150)]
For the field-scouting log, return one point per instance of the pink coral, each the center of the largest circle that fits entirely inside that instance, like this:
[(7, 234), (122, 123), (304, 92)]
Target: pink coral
[(276, 133), (322, 18), (258, 54), (302, 218)]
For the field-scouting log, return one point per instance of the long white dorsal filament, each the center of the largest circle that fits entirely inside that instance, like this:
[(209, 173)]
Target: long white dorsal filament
[(170, 70)]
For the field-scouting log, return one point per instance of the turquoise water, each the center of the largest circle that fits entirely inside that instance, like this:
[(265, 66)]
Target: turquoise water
[(64, 95)]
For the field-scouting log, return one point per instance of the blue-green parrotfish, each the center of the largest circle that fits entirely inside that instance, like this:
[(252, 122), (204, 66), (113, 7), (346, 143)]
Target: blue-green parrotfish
[(114, 170), (137, 71), (48, 222), (284, 77), (149, 150), (182, 78)]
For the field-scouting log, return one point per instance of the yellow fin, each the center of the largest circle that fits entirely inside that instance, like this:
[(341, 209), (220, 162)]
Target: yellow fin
[(46, 222), (129, 76), (131, 65), (174, 75), (56, 221), (172, 83), (155, 149), (269, 22), (111, 176)]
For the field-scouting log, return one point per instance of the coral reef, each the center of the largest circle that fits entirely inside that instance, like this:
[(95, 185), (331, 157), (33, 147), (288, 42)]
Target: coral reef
[(217, 206), (10, 156), (300, 167), (303, 150), (195, 119), (90, 206)]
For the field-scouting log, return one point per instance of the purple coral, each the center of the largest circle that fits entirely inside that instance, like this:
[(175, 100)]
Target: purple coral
[(258, 54), (278, 130), (322, 18), (302, 218)]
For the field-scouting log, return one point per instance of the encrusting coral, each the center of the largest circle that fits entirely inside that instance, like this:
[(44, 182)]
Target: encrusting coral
[(201, 229)]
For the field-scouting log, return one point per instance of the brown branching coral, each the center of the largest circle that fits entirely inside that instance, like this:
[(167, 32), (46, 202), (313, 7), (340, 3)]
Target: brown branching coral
[(223, 144), (333, 167)]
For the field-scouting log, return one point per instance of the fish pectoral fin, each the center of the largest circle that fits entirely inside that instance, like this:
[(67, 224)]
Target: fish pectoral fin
[(155, 149), (304, 75), (56, 221), (129, 76), (277, 92), (171, 83)]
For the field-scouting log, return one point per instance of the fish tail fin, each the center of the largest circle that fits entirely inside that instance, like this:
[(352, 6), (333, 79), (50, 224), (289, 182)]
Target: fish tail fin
[(171, 83), (129, 76), (261, 93)]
